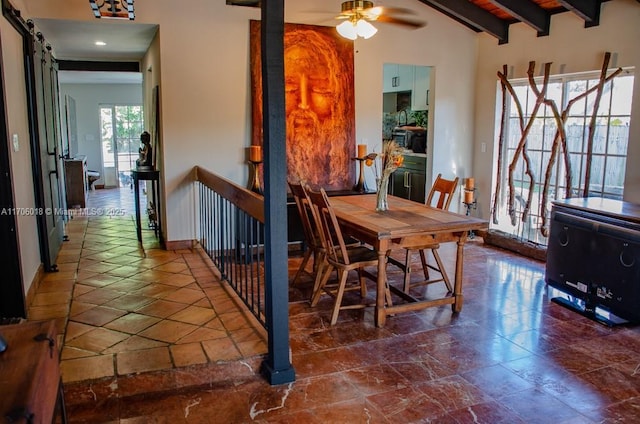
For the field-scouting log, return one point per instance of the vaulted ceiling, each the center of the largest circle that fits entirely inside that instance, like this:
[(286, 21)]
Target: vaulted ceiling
[(494, 16)]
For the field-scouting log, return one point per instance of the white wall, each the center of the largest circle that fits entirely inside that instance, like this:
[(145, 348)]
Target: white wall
[(206, 100), (572, 48), (89, 98), (23, 187), (204, 58)]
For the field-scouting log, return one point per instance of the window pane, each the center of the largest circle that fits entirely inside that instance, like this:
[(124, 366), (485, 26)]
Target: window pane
[(622, 92), (614, 178), (597, 173), (618, 136), (575, 132), (605, 100)]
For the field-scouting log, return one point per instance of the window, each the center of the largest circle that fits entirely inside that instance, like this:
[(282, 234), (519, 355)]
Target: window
[(604, 168), (121, 127)]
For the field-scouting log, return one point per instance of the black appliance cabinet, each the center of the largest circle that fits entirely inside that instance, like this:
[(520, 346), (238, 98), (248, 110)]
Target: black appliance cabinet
[(593, 257)]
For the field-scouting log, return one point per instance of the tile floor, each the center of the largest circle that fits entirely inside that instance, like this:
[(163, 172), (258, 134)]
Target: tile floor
[(153, 337)]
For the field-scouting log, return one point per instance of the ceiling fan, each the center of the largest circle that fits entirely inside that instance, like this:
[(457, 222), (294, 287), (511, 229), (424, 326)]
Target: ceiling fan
[(358, 15)]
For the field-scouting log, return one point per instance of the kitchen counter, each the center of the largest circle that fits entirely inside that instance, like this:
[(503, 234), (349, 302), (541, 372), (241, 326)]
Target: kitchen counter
[(409, 152)]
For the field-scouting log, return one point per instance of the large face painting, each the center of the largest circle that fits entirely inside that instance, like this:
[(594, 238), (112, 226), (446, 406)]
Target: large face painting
[(319, 95)]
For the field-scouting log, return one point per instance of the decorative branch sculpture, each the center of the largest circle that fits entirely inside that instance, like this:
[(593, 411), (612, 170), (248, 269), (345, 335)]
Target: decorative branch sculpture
[(592, 122), (503, 120), (559, 142)]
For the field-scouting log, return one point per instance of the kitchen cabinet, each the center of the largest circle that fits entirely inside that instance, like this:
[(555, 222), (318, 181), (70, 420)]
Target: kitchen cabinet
[(76, 183), (409, 181), (397, 77), (420, 92)]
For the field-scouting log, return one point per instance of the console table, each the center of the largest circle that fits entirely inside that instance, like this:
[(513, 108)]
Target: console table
[(138, 175), (30, 387)]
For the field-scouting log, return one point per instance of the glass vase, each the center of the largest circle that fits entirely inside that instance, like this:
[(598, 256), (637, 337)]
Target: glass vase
[(382, 203)]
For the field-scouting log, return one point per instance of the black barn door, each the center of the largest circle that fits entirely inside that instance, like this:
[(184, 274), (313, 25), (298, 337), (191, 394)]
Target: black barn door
[(50, 152)]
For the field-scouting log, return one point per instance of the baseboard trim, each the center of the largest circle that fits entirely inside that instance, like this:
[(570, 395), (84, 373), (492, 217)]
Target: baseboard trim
[(35, 285), (179, 244)]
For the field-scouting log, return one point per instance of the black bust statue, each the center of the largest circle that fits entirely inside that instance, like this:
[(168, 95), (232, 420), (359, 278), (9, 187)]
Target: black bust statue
[(145, 159)]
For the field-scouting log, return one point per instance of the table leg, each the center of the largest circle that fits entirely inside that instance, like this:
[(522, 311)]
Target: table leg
[(380, 312), (457, 286), (136, 193)]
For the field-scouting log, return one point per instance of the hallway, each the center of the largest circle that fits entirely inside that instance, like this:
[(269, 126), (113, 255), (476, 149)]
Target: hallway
[(153, 337)]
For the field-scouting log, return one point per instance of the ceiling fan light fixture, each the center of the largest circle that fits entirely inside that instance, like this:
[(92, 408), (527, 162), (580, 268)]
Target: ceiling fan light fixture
[(348, 30), (352, 29), (365, 30)]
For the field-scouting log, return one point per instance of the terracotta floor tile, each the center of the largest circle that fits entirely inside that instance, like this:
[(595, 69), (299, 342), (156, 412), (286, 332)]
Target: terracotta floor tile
[(134, 343), (203, 333), (98, 316), (89, 368), (37, 313), (56, 286), (143, 360), (221, 350), (194, 315), (97, 340), (234, 321), (69, 352), (98, 296), (75, 329), (174, 267), (155, 290), (188, 354), (132, 323), (161, 308), (168, 331), (129, 302), (52, 298), (184, 295)]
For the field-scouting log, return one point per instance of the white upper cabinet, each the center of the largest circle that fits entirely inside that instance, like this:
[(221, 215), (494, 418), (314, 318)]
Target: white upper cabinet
[(420, 90), (397, 78)]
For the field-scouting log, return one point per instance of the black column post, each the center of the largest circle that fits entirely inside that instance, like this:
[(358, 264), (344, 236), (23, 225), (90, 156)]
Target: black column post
[(277, 367)]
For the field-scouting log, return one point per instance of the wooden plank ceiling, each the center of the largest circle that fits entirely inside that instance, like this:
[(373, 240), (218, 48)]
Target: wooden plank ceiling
[(495, 16)]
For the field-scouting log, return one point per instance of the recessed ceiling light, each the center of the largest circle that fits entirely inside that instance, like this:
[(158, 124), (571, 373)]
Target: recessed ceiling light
[(100, 43)]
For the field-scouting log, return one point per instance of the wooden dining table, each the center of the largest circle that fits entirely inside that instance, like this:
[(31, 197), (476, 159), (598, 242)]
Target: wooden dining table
[(405, 223)]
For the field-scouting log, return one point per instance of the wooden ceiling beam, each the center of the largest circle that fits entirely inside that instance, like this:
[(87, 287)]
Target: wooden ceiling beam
[(528, 12), (472, 16), (589, 10)]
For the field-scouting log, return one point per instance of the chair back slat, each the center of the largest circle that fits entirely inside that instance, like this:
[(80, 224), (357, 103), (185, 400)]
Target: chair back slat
[(328, 226), (304, 210), (444, 190)]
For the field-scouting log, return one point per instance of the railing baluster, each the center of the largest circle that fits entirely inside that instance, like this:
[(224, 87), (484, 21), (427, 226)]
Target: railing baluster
[(233, 239), (232, 235)]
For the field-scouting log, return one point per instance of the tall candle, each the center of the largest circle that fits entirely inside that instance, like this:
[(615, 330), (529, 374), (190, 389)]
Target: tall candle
[(468, 197), (470, 183), (255, 153), (362, 150)]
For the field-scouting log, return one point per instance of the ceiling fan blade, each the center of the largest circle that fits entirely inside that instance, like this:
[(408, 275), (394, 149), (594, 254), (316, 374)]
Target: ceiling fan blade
[(396, 10), (400, 21)]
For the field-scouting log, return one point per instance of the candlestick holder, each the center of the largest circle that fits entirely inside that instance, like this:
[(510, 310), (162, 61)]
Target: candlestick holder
[(360, 186), (470, 205), (254, 179)]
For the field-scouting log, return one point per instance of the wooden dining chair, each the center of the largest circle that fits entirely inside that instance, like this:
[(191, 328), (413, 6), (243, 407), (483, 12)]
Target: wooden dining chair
[(312, 246), (339, 257), (442, 193)]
